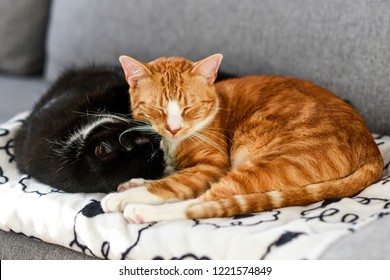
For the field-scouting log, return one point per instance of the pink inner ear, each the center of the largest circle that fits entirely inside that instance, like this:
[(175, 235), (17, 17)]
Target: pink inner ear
[(134, 70), (208, 67)]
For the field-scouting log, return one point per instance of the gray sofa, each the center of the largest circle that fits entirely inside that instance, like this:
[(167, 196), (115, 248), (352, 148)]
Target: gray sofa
[(341, 45)]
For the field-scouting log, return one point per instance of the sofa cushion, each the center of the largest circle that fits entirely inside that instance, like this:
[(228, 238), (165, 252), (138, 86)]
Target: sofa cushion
[(19, 247), (23, 25), (341, 45)]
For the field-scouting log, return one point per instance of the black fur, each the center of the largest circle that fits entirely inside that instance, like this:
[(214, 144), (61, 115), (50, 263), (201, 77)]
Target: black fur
[(98, 162)]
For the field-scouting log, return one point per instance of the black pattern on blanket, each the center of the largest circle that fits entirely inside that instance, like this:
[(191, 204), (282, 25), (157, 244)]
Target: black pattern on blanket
[(77, 221)]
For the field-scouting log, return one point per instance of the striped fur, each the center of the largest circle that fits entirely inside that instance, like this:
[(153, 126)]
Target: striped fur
[(265, 142)]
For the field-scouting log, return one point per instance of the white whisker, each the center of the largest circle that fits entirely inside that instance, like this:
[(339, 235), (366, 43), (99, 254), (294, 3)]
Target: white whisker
[(104, 114), (207, 140), (219, 136)]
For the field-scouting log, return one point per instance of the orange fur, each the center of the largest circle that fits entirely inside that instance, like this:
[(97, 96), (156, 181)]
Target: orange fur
[(270, 141)]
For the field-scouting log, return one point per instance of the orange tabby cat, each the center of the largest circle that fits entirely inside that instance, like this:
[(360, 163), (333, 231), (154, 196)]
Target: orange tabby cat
[(243, 145)]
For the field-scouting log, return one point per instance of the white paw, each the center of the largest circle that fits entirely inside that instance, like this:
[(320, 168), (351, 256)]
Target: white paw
[(115, 202), (133, 183), (141, 213), (112, 203)]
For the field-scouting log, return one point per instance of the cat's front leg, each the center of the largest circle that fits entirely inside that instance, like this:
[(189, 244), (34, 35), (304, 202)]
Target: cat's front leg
[(141, 213), (114, 202), (187, 184), (117, 201), (133, 183)]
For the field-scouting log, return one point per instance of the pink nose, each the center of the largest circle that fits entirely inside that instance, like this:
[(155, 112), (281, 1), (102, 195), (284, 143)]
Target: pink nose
[(173, 131)]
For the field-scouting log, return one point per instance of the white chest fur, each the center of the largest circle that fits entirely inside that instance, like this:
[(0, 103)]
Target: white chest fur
[(169, 149)]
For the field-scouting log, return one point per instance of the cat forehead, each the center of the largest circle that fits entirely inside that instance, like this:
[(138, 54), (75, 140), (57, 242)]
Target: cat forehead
[(164, 64), (170, 79)]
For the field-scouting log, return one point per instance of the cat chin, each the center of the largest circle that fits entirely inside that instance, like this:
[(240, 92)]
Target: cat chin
[(169, 137), (175, 138)]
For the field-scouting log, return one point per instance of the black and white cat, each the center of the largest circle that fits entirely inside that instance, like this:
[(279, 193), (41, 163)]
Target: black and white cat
[(80, 136)]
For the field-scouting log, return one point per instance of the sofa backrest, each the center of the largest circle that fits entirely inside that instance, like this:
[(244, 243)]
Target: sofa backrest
[(23, 25), (343, 45)]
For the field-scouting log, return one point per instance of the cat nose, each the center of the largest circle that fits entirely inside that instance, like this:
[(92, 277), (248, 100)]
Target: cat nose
[(174, 123), (173, 130)]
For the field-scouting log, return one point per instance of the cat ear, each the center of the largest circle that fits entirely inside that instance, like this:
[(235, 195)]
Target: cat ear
[(134, 70), (208, 67)]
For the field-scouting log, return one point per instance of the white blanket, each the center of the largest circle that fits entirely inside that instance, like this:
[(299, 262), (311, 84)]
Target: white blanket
[(77, 221)]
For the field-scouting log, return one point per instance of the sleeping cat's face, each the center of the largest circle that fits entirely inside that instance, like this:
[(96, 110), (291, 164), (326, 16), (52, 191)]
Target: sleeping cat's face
[(175, 95)]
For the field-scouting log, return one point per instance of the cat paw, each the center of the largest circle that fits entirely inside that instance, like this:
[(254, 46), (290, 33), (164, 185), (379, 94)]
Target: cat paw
[(133, 183), (115, 202), (139, 214), (112, 203)]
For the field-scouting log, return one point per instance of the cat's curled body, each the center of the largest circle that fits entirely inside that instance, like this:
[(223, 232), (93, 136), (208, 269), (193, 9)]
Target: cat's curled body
[(242, 145), (71, 139)]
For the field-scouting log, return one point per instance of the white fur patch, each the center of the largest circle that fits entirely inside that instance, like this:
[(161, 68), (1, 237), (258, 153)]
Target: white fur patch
[(240, 199), (77, 139), (240, 156), (169, 149), (276, 198), (313, 189), (174, 120), (138, 213), (114, 202), (81, 134)]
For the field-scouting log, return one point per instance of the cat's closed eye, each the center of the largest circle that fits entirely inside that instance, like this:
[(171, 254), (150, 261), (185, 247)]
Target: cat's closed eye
[(160, 111), (190, 112), (148, 111)]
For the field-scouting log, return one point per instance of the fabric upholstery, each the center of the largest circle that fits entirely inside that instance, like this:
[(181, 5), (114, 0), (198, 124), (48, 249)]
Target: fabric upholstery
[(369, 243), (19, 247)]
